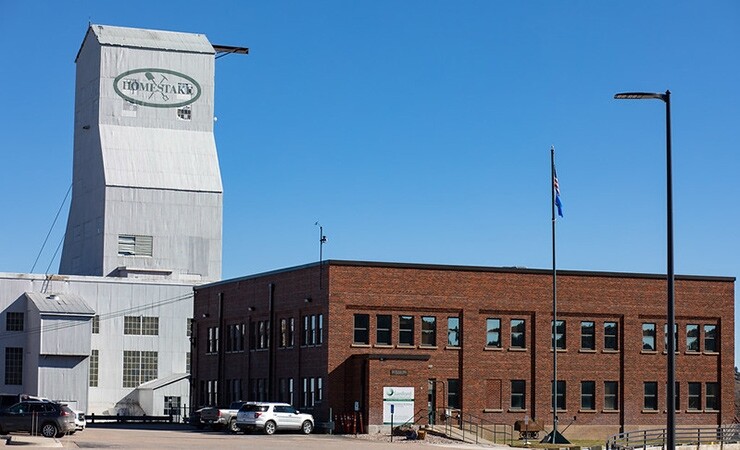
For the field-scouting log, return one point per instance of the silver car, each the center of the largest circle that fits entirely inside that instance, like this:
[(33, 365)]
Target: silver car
[(270, 417)]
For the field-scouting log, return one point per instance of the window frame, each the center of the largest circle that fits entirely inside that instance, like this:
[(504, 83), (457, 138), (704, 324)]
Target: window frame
[(518, 338), (361, 330), (428, 331), (383, 330), (588, 338)]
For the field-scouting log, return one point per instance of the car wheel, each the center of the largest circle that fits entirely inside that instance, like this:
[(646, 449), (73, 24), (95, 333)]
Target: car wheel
[(49, 430), (232, 426), (307, 427), (270, 427)]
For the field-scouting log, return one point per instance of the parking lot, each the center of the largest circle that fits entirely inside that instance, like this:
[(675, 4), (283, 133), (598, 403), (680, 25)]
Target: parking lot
[(174, 437)]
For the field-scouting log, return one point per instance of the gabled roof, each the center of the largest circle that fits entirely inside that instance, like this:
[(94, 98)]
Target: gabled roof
[(65, 304), (164, 381), (150, 39)]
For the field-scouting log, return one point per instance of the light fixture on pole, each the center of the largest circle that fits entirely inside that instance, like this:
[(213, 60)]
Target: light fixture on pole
[(671, 316)]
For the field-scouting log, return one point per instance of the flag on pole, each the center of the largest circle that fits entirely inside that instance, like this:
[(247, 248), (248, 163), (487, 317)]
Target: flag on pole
[(556, 186)]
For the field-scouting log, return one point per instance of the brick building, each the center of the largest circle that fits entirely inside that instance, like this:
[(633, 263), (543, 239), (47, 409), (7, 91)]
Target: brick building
[(434, 339)]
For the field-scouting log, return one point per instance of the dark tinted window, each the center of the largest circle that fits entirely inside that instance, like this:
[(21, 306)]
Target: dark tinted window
[(252, 407)]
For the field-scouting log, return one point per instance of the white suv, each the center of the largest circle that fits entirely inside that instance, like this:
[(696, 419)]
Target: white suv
[(270, 417)]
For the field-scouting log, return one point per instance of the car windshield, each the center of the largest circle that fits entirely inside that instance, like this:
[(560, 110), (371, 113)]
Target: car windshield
[(253, 407)]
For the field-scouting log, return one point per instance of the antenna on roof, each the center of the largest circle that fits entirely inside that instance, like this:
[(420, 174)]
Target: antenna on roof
[(322, 241)]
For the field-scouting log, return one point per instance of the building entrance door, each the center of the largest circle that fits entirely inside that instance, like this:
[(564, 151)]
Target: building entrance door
[(432, 400)]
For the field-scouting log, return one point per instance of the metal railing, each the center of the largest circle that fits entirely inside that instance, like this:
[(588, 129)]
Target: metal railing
[(463, 426), (724, 434)]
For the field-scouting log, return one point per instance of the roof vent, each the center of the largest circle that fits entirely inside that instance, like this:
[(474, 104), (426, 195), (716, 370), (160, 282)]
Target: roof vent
[(53, 297)]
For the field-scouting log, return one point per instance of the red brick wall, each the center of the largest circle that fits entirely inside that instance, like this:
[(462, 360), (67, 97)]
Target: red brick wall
[(474, 295)]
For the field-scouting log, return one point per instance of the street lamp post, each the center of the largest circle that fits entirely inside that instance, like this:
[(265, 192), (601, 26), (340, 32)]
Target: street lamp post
[(671, 332)]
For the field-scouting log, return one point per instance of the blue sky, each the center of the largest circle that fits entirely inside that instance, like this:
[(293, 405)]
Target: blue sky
[(418, 131)]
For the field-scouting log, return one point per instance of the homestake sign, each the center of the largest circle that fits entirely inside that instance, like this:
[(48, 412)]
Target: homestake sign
[(401, 399), (158, 88)]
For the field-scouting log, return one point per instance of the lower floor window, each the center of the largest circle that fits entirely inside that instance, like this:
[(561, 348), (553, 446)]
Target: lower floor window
[(171, 406), (313, 391), (139, 367), (650, 396), (14, 365)]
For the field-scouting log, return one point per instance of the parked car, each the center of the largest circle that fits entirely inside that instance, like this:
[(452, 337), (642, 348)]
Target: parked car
[(47, 418), (221, 418), (80, 421), (270, 417)]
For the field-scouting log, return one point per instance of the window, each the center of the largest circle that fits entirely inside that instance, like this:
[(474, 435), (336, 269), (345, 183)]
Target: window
[(132, 325), (133, 245), (313, 391), (650, 396), (588, 336), (94, 364), (676, 396), (710, 338), (383, 329), (187, 362), (184, 113), (453, 393), (611, 395), (150, 326), (694, 396), (286, 390), (14, 365), (559, 334), (560, 395), (141, 325), (235, 337), (406, 330), (588, 395), (493, 333), (362, 324), (692, 337), (286, 332), (517, 333), (263, 334), (429, 331), (648, 337), (711, 400), (96, 324), (234, 387), (453, 331), (14, 321), (212, 340), (313, 329), (675, 337), (518, 394), (611, 336), (171, 406), (189, 325)]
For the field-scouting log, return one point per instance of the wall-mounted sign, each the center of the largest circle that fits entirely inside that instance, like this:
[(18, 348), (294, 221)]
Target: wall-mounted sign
[(158, 88), (401, 372), (401, 400)]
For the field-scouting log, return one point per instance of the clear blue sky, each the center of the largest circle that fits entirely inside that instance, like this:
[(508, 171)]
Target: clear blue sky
[(418, 131)]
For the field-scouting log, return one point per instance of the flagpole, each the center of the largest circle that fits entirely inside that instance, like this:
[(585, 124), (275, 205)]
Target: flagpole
[(554, 306)]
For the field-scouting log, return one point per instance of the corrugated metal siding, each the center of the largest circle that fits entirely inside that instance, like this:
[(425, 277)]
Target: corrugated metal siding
[(153, 39), (60, 303)]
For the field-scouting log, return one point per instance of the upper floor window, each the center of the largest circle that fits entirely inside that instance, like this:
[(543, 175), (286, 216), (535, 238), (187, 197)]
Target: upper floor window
[(287, 332), (453, 331), (134, 245), (611, 336), (588, 335), (648, 336), (675, 337), (429, 331), (560, 334), (692, 337), (406, 330), (518, 328), (362, 325), (493, 333), (710, 338), (384, 329), (313, 329), (141, 325), (14, 321)]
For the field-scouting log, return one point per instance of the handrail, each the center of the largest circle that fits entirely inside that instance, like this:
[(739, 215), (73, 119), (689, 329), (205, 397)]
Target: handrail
[(684, 436)]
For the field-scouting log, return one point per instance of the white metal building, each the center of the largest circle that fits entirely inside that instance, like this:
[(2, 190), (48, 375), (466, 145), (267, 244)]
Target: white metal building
[(111, 334)]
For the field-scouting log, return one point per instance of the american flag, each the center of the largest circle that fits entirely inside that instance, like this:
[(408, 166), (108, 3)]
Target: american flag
[(556, 186)]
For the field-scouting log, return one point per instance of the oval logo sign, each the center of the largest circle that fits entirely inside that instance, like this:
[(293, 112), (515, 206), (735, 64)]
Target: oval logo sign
[(158, 88)]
